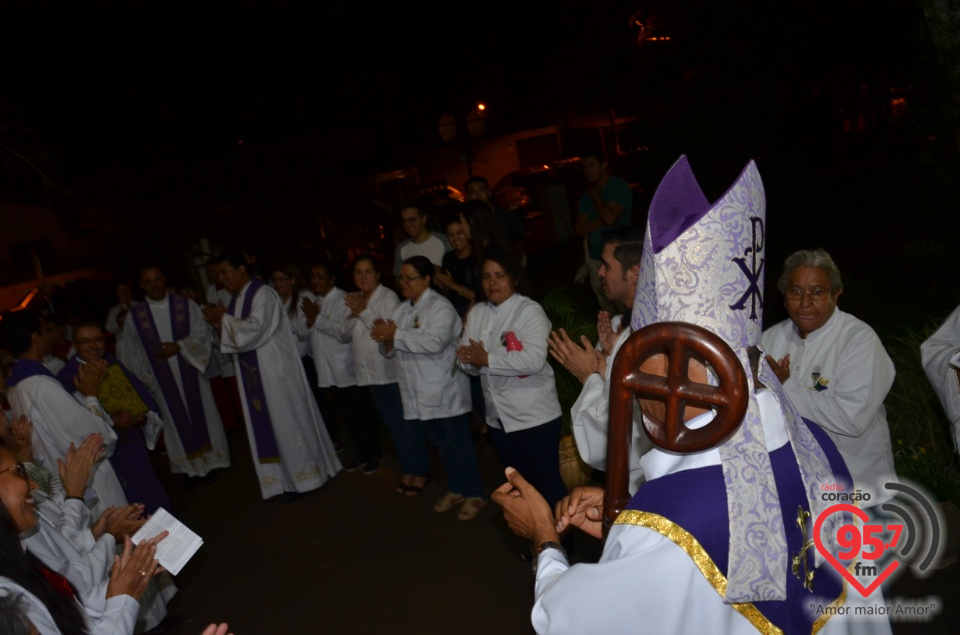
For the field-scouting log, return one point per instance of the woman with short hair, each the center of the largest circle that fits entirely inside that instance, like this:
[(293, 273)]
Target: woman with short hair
[(423, 336)]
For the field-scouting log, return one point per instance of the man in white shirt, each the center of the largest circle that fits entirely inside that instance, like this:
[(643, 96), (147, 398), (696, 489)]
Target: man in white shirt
[(619, 271), (834, 368), (422, 241)]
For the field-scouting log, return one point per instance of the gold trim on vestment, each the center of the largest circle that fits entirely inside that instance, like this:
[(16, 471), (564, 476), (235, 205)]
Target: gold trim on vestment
[(822, 620), (685, 540)]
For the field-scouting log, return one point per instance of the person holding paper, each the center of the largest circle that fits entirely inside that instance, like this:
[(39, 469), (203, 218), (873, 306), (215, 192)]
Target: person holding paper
[(131, 408), (292, 450), (48, 600), (69, 542), (505, 343)]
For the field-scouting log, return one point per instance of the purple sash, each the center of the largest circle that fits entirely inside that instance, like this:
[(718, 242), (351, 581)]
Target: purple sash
[(188, 416), (249, 367)]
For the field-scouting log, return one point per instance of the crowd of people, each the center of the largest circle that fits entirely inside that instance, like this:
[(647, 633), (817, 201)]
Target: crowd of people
[(298, 360)]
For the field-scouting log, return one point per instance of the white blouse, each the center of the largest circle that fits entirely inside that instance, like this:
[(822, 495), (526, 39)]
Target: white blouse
[(329, 340), (518, 385), (371, 367), (431, 384)]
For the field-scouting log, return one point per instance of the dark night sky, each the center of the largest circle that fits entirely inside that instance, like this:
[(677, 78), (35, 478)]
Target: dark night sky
[(119, 84), (108, 81)]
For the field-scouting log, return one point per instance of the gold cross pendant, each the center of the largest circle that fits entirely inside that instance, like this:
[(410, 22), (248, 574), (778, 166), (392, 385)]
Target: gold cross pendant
[(801, 557)]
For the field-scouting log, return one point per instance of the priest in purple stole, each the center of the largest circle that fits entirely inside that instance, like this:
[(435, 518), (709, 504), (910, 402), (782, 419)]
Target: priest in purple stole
[(167, 345), (291, 449), (131, 407), (716, 541)]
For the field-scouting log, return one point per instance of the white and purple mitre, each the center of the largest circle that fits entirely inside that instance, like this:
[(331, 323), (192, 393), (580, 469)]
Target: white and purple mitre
[(703, 264)]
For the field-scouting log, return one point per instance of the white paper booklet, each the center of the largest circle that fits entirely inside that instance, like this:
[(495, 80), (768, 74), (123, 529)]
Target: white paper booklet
[(175, 550)]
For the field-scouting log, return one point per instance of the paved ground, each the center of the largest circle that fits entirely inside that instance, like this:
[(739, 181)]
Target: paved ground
[(354, 557)]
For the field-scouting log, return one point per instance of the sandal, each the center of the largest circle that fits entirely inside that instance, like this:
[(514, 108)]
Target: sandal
[(416, 490), (401, 488), (447, 502), (471, 507)]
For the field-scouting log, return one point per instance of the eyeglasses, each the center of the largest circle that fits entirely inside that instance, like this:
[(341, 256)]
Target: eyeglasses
[(816, 294), (411, 278), (18, 469), (90, 340)]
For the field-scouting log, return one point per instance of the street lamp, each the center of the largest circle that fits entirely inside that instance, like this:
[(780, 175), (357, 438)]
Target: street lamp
[(448, 128)]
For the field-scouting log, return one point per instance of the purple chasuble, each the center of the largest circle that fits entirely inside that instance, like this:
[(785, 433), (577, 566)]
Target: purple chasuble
[(696, 501), (188, 416), (249, 366)]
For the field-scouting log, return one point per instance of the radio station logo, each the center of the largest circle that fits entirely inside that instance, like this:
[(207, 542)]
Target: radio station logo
[(870, 551)]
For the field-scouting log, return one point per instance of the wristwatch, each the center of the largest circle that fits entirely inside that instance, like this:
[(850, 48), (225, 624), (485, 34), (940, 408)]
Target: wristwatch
[(549, 544)]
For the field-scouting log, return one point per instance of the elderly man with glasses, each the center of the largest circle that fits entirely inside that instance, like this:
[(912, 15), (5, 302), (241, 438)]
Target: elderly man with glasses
[(834, 368)]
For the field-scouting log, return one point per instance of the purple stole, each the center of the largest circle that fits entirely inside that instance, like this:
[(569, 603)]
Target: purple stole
[(188, 416), (249, 366), (25, 368)]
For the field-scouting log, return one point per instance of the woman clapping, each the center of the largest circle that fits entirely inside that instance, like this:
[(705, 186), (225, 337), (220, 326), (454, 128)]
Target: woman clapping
[(505, 342), (423, 336)]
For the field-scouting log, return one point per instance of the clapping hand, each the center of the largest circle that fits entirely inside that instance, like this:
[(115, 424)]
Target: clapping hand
[(89, 377), (356, 303), (119, 521), (310, 309), (214, 314), (581, 361), (383, 331), (134, 569), (75, 467), (608, 336), (474, 353)]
